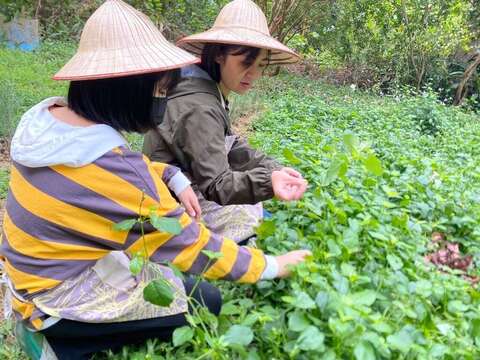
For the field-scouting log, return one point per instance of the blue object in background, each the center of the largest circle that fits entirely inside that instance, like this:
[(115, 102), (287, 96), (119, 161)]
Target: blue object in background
[(23, 34)]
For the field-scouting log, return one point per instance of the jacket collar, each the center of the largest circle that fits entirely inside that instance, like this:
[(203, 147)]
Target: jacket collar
[(195, 80)]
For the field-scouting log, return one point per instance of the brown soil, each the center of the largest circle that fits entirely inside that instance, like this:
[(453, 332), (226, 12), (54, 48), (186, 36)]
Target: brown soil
[(445, 254), (243, 125), (4, 153)]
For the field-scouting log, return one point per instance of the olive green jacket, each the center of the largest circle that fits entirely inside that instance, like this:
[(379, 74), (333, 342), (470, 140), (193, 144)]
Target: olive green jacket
[(191, 134)]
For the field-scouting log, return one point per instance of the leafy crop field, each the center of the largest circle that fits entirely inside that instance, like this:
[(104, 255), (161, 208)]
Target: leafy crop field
[(389, 176), (385, 175), (394, 181)]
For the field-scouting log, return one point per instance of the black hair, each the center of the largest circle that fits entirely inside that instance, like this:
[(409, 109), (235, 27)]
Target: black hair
[(124, 103), (212, 51)]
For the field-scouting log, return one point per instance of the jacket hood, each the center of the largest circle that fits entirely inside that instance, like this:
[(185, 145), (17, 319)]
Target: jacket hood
[(194, 80), (42, 140)]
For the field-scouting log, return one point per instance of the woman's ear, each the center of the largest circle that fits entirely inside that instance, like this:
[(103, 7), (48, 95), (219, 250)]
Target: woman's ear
[(159, 91)]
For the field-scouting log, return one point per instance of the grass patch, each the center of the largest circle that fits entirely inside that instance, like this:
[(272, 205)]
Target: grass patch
[(4, 178), (26, 80), (9, 349)]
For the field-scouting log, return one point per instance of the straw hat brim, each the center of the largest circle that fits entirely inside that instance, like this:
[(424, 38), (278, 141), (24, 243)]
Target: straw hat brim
[(279, 53), (112, 63)]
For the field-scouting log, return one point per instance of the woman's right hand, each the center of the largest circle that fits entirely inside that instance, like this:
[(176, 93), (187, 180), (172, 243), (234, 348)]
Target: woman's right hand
[(290, 259)]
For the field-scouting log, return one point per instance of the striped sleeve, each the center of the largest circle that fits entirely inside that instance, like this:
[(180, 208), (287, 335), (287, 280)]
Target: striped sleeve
[(242, 264), (237, 263), (172, 176)]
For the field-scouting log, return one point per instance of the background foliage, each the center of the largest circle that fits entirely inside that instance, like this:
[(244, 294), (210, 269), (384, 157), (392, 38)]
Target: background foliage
[(385, 172), (369, 43)]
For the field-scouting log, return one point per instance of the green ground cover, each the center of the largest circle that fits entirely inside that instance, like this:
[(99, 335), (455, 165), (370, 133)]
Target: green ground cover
[(4, 175), (384, 173), (25, 79)]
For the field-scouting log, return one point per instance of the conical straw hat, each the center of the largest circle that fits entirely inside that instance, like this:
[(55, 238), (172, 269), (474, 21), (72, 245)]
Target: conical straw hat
[(241, 22), (118, 40)]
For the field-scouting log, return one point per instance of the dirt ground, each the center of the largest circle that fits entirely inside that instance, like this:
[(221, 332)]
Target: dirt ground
[(243, 125)]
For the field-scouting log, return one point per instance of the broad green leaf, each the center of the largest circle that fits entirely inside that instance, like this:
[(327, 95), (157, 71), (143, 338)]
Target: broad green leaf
[(137, 264), (438, 351), (267, 228), (212, 255), (332, 172), (351, 235), (166, 224), (238, 335), (341, 284), (390, 192), (476, 331), (333, 248), (311, 339), (378, 344), (125, 225), (297, 321), (230, 308), (159, 292), (456, 307), (373, 164), (303, 301), (364, 351), (445, 328), (321, 300), (140, 355), (251, 319), (366, 297), (182, 335), (394, 261), (351, 141), (328, 355), (290, 156), (347, 269), (401, 341), (382, 327), (253, 355), (423, 288)]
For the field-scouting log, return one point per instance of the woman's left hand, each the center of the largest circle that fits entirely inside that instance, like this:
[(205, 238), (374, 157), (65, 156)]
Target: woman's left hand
[(190, 202)]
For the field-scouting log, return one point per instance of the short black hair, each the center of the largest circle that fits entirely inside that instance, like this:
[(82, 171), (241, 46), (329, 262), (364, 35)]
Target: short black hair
[(124, 103), (212, 51)]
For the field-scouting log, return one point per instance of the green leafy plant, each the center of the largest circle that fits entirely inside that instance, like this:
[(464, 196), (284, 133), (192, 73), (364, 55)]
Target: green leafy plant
[(4, 178)]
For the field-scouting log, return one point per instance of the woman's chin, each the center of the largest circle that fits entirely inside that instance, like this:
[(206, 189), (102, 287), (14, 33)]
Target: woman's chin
[(242, 90)]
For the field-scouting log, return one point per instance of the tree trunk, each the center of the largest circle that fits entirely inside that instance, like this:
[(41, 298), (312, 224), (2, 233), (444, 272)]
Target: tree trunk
[(469, 71)]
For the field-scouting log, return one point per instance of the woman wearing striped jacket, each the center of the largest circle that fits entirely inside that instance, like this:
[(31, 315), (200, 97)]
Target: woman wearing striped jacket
[(74, 177)]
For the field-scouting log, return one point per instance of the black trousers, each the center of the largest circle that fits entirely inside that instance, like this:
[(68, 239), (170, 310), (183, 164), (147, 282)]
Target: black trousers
[(73, 340)]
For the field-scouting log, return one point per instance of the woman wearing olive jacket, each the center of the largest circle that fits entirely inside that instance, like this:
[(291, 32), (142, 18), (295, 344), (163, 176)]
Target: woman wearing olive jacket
[(194, 130)]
